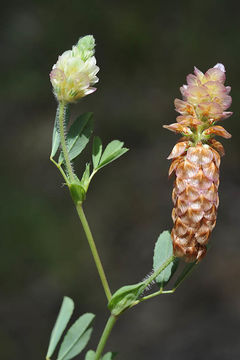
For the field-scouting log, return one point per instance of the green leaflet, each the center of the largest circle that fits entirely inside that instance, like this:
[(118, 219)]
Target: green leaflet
[(109, 356), (85, 177), (80, 344), (76, 338), (96, 151), (63, 318), (164, 250), (90, 355), (78, 136), (112, 151)]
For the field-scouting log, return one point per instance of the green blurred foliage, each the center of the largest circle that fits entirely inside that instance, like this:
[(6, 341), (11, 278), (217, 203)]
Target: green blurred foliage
[(144, 49)]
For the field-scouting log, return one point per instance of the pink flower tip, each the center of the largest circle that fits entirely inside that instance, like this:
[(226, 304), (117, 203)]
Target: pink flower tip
[(220, 67)]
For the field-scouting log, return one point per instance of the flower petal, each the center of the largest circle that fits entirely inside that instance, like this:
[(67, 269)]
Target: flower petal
[(218, 146), (210, 110), (197, 94), (198, 73), (178, 149), (200, 155), (184, 107), (187, 169), (217, 130), (174, 165), (220, 67), (215, 74), (188, 121), (178, 128)]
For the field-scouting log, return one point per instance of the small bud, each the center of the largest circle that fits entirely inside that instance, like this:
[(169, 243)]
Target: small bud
[(75, 72), (85, 47)]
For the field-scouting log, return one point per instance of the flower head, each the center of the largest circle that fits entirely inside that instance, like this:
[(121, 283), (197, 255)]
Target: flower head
[(206, 93), (196, 160), (205, 101), (74, 74)]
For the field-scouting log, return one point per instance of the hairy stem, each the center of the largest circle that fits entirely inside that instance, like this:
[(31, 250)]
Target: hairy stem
[(158, 271), (60, 169), (105, 335), (61, 122), (161, 291), (94, 250)]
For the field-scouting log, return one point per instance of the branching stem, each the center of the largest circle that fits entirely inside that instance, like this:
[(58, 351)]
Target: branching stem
[(158, 271), (60, 169)]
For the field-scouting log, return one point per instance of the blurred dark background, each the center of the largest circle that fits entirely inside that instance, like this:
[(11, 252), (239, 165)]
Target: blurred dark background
[(145, 49)]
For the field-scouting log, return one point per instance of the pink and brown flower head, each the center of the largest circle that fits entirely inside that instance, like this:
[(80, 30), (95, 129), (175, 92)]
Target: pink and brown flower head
[(196, 160)]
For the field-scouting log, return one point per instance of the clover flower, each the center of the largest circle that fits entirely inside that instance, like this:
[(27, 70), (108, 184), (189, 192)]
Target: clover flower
[(74, 74), (196, 160)]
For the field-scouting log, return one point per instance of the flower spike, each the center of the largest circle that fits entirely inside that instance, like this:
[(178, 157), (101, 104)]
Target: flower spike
[(196, 160)]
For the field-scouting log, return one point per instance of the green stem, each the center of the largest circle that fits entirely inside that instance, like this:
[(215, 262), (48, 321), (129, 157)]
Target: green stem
[(158, 271), (160, 292), (151, 279), (94, 250), (60, 169), (61, 122), (105, 335)]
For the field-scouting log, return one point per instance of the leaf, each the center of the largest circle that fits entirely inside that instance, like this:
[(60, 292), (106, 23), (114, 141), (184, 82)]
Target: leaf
[(63, 318), (109, 356), (85, 177), (79, 345), (124, 297), (76, 338), (56, 136), (96, 151), (164, 250), (186, 271), (78, 136), (113, 151), (90, 355)]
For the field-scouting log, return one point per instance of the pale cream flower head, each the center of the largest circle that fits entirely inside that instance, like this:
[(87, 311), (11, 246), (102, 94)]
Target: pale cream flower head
[(74, 74)]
